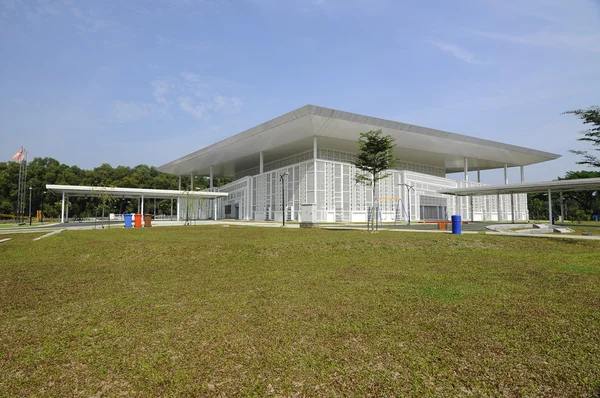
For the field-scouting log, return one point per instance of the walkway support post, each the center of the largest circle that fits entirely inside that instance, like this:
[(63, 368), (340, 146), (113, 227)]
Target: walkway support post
[(211, 177), (550, 205), (62, 209), (215, 208)]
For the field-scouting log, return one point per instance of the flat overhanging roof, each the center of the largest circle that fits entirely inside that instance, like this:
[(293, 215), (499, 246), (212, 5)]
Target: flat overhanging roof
[(583, 184), (294, 132), (76, 190)]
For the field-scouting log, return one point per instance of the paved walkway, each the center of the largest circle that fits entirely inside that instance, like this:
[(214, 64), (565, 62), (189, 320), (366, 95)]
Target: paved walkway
[(471, 228)]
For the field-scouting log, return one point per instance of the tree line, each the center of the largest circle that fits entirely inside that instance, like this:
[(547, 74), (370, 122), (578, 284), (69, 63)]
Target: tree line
[(42, 171)]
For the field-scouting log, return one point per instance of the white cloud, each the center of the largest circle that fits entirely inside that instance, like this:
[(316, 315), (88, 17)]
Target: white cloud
[(160, 89), (552, 39), (456, 51), (130, 111), (196, 110), (195, 95)]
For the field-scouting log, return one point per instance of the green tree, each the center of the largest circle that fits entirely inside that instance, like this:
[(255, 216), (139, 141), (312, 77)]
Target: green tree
[(376, 154), (589, 116)]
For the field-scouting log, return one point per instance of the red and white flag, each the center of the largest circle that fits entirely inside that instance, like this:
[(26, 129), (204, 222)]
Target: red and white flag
[(18, 156)]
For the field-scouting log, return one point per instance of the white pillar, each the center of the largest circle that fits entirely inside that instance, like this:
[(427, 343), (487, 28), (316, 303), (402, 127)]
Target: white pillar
[(191, 181), (550, 205), (315, 154), (215, 208), (478, 175), (505, 174), (180, 183), (178, 207), (211, 177), (62, 209), (466, 169), (262, 163), (67, 203), (142, 212), (522, 174)]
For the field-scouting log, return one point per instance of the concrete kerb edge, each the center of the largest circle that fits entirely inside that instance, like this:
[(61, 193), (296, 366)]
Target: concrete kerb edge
[(58, 231)]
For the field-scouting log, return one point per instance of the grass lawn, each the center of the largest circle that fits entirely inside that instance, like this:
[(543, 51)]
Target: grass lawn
[(238, 311)]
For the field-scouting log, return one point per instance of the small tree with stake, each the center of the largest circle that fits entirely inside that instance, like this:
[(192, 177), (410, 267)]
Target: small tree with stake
[(375, 156)]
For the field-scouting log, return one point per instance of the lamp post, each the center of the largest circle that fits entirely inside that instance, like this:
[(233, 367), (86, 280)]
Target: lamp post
[(30, 190), (282, 177), (42, 206), (408, 188)]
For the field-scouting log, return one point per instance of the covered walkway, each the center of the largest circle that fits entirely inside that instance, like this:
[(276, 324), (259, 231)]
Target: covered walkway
[(584, 184), (131, 193)]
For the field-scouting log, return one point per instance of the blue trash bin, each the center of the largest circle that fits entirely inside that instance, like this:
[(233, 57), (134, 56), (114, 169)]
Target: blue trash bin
[(552, 220), (456, 225), (595, 218), (128, 220)]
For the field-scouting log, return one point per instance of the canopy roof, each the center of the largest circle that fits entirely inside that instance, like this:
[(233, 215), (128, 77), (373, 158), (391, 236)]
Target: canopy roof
[(76, 190), (293, 133), (583, 184)]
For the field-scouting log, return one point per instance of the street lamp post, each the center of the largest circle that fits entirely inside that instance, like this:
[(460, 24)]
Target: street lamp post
[(42, 206), (30, 190), (408, 188), (282, 177)]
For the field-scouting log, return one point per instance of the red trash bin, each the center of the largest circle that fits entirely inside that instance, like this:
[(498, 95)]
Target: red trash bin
[(138, 220)]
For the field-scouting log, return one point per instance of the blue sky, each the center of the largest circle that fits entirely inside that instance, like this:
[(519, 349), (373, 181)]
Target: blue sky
[(141, 81)]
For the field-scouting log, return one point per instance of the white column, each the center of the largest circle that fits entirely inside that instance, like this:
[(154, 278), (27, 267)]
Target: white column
[(262, 163), (178, 207), (505, 174), (478, 175), (62, 209), (522, 174), (67, 203), (215, 208), (315, 154), (142, 207), (211, 177), (466, 169), (550, 205), (180, 183), (191, 181)]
